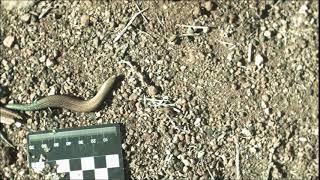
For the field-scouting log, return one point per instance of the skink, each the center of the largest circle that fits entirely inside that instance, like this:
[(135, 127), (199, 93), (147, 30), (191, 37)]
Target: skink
[(60, 101)]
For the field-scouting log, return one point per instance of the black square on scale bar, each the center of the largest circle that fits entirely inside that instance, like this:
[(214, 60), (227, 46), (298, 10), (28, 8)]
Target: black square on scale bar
[(100, 162), (75, 164)]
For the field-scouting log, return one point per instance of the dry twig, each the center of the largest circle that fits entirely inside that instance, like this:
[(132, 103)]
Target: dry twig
[(271, 163), (135, 71), (211, 175), (127, 26), (250, 52), (144, 18), (232, 46), (238, 171), (2, 137)]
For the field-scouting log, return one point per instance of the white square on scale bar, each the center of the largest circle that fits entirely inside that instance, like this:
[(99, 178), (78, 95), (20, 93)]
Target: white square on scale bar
[(87, 163), (101, 173), (112, 161), (63, 165), (76, 175)]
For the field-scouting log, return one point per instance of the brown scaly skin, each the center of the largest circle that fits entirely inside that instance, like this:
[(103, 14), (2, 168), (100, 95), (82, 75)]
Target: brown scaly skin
[(67, 102), (60, 101)]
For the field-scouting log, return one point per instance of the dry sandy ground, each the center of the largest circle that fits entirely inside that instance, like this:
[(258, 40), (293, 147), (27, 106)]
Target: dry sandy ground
[(209, 89)]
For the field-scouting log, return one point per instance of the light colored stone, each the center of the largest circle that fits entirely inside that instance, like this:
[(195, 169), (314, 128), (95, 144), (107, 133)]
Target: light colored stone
[(208, 5), (267, 111), (200, 154), (190, 30), (185, 162), (43, 58), (96, 42), (49, 62), (17, 4), (52, 91), (246, 132), (264, 104), (8, 41), (152, 91), (85, 20), (205, 29), (18, 124), (196, 11), (267, 34), (26, 17), (197, 122), (265, 98), (258, 61)]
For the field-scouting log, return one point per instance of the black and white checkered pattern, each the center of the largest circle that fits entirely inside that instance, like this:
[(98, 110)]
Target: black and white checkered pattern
[(95, 167)]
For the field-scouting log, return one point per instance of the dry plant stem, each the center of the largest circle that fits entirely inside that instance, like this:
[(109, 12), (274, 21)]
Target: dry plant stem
[(238, 171), (127, 26), (135, 71), (7, 117), (5, 140), (271, 164), (67, 102), (9, 114), (211, 175), (232, 46), (186, 35), (191, 26), (249, 52), (226, 43), (145, 33), (144, 18)]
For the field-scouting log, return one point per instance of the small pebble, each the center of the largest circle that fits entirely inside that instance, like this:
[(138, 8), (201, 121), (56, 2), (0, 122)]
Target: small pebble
[(8, 41), (208, 5), (205, 29), (264, 104), (99, 121), (186, 162), (18, 124), (299, 67), (258, 61), (96, 42), (133, 97), (267, 34), (25, 17), (200, 154), (49, 62), (267, 111), (196, 11), (185, 169), (197, 122), (85, 20), (182, 68), (3, 100), (152, 91), (98, 114), (43, 58), (24, 141), (52, 91), (190, 30), (265, 98), (29, 121), (246, 132)]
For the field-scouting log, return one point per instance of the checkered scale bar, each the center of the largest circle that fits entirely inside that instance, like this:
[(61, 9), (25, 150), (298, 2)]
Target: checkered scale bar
[(99, 167)]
